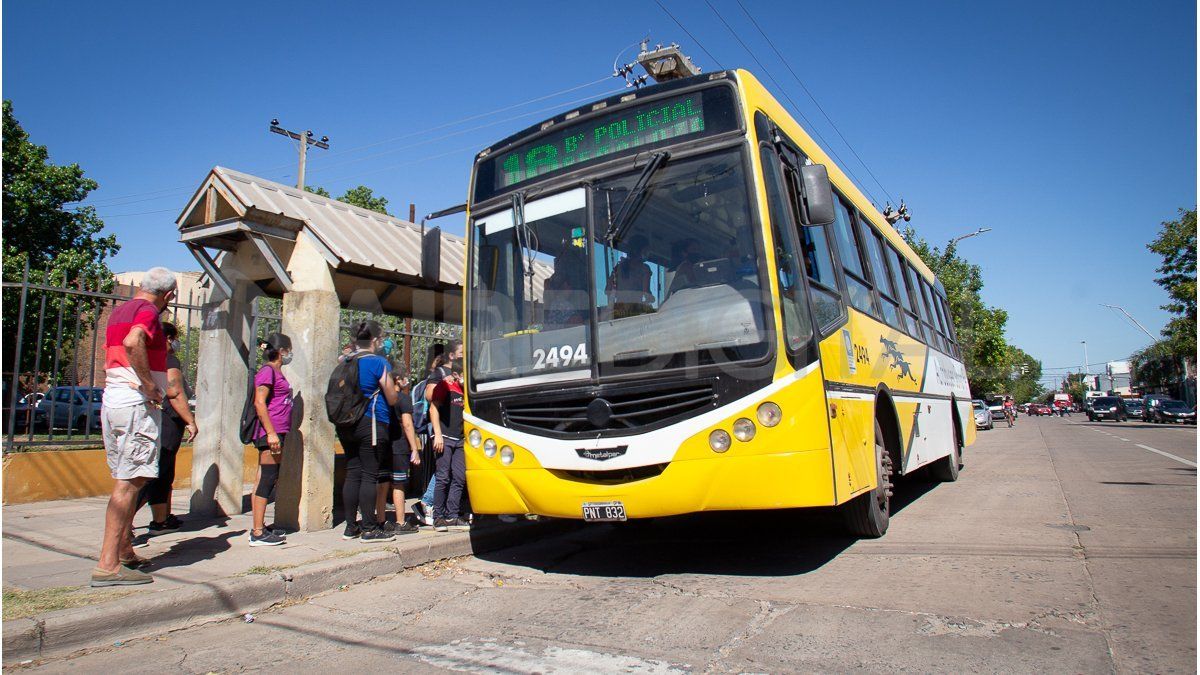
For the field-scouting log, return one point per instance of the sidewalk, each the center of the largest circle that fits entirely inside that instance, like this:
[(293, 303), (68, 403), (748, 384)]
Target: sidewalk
[(206, 571)]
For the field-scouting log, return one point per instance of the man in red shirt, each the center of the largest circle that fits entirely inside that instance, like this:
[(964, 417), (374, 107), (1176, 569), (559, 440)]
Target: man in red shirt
[(135, 373)]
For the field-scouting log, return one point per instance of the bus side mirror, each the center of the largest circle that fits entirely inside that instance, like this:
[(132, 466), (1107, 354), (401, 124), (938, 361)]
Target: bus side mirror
[(816, 196), (431, 257)]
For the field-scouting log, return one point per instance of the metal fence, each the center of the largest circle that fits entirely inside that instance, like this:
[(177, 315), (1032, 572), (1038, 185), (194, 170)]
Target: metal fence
[(54, 352), (54, 356)]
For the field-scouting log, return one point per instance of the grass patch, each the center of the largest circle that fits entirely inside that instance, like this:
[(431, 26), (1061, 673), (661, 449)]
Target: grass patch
[(266, 569), (21, 603)]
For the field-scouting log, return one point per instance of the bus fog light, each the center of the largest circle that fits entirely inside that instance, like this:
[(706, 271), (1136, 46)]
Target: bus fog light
[(489, 448), (743, 430), (719, 440), (506, 455), (475, 438), (769, 414)]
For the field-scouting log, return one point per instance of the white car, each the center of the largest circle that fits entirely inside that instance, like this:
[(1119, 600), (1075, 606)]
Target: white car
[(983, 416)]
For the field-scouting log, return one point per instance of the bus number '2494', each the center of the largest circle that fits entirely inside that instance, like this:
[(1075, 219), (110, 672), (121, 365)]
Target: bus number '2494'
[(559, 357)]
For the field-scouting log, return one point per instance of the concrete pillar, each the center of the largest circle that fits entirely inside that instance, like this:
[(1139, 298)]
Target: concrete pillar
[(221, 384), (310, 318)]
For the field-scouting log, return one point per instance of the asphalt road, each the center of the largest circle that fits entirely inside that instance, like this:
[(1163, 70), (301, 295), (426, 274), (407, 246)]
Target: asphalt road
[(1066, 546)]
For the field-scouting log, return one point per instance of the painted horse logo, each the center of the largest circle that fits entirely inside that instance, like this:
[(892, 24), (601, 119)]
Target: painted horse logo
[(890, 350)]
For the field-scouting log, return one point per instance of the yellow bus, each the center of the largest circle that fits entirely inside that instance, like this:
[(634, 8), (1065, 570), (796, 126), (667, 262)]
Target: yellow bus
[(677, 303)]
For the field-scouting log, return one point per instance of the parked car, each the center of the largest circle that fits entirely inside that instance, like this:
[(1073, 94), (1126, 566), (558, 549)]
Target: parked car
[(73, 407), (1040, 409), (26, 414), (983, 416), (1023, 408), (1107, 407), (1150, 403), (1135, 407), (1170, 411)]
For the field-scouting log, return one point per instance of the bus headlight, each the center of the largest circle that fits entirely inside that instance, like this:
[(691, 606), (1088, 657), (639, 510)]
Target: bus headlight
[(769, 414), (506, 455), (743, 430), (489, 448), (719, 440), (475, 438)]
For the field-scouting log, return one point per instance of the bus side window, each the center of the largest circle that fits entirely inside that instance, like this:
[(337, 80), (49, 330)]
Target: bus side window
[(896, 271), (914, 288), (852, 260), (933, 317), (797, 326), (883, 282)]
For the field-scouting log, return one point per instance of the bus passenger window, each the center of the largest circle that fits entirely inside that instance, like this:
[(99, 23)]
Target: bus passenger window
[(856, 277), (883, 282)]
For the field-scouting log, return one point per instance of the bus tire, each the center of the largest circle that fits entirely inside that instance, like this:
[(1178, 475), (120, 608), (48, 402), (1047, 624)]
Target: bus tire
[(946, 469), (867, 515)]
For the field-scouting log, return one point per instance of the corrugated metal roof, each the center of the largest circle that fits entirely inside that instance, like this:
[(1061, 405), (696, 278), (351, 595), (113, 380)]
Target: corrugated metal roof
[(355, 236)]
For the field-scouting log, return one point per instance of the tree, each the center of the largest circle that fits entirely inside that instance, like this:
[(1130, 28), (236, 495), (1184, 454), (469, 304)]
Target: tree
[(361, 196), (1025, 381), (1156, 367), (1176, 243), (61, 246)]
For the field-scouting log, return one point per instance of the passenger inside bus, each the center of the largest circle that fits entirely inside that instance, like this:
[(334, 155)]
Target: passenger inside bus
[(628, 287), (566, 290)]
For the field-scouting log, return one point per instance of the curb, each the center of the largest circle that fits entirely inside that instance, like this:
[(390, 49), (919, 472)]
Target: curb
[(144, 615)]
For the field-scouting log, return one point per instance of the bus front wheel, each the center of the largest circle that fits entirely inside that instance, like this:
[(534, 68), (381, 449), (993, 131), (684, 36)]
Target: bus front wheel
[(867, 515)]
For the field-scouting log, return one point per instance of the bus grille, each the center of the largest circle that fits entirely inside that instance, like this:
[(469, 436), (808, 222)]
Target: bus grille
[(614, 477), (631, 410)]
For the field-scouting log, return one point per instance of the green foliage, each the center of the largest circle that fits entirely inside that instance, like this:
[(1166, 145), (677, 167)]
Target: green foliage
[(361, 196), (1025, 376), (1176, 243), (61, 246), (1157, 367), (980, 328), (1074, 385)]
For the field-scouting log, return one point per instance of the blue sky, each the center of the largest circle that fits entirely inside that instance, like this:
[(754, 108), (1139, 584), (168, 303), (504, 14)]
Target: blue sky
[(1068, 128)]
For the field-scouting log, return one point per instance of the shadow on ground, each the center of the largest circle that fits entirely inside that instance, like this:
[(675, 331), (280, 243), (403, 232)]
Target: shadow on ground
[(744, 543)]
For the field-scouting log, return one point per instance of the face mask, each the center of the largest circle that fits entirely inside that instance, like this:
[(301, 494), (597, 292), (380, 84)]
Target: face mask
[(287, 358), (174, 345)]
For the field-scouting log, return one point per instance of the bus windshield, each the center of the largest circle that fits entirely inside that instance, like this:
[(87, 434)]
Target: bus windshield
[(677, 285)]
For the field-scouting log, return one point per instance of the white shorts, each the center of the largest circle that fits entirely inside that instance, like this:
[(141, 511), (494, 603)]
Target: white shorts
[(132, 437)]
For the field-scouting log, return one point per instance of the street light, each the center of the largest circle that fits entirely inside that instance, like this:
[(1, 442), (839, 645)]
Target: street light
[(1129, 316), (950, 246), (976, 233)]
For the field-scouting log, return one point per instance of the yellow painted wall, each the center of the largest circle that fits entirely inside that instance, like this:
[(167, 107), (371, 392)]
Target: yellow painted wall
[(71, 474)]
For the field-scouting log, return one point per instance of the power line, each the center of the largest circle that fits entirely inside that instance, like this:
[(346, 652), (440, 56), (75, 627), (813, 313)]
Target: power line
[(120, 200), (689, 34), (493, 123), (829, 146), (814, 100)]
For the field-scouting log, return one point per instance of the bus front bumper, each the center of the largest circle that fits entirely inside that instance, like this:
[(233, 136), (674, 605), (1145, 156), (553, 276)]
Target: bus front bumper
[(760, 481)]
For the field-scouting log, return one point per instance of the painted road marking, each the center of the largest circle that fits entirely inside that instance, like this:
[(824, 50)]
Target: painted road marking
[(1167, 454), (1125, 439)]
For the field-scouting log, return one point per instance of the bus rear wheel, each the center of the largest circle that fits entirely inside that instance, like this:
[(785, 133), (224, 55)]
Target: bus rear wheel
[(946, 468), (868, 514)]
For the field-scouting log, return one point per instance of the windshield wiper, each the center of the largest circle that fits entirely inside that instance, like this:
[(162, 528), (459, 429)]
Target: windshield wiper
[(635, 198)]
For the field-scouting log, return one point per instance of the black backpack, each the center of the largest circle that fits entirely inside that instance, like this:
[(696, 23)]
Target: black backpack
[(344, 400), (250, 423)]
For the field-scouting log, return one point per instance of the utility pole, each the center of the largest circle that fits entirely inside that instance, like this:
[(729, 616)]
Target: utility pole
[(306, 139), (1085, 364), (1186, 371)]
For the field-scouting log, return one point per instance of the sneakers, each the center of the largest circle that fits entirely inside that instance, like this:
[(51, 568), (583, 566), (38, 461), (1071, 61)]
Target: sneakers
[(422, 512), (122, 577), (407, 528), (459, 524), (352, 531), (169, 524), (376, 535), (388, 526), (441, 524), (267, 538)]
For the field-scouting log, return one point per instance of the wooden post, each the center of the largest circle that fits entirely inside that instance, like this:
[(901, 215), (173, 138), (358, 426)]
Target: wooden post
[(412, 218)]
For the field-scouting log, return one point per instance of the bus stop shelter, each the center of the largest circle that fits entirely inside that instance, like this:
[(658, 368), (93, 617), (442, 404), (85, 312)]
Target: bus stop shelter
[(254, 237)]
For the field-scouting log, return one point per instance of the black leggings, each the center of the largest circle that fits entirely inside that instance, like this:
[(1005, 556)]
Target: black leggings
[(362, 467), (158, 490)]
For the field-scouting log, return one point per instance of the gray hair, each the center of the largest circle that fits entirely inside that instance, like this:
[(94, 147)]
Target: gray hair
[(158, 280)]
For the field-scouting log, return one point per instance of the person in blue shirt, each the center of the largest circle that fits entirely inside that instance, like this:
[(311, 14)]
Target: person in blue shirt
[(366, 442)]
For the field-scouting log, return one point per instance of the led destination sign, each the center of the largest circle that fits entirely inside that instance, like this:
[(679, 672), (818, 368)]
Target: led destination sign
[(684, 117)]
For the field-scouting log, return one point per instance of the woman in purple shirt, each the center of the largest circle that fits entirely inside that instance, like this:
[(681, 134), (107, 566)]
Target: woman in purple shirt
[(273, 403)]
